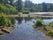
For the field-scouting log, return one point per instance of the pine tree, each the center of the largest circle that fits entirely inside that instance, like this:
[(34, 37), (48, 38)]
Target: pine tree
[(19, 5), (45, 9)]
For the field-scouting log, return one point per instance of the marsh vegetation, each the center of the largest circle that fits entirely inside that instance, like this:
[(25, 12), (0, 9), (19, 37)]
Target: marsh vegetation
[(48, 28)]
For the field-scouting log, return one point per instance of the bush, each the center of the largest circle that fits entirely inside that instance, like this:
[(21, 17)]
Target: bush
[(49, 33), (25, 11), (7, 9), (51, 24), (4, 20), (7, 22), (49, 29), (39, 22)]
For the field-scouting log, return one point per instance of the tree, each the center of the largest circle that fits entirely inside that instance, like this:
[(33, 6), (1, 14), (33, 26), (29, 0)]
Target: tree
[(11, 2), (26, 4), (1, 1), (19, 5), (44, 7), (4, 1), (51, 7), (29, 5)]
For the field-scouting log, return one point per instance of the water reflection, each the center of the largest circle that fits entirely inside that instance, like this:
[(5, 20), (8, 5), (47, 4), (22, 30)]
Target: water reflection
[(12, 20), (24, 31), (20, 19), (27, 19)]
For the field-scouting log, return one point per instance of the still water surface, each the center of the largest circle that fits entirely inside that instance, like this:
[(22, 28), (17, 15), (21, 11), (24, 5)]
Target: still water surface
[(24, 30)]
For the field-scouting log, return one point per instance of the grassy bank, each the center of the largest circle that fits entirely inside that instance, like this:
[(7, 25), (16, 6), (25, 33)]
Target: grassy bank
[(5, 24), (47, 29)]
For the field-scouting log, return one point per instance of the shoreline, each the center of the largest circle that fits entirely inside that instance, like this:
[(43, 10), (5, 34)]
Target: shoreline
[(6, 30)]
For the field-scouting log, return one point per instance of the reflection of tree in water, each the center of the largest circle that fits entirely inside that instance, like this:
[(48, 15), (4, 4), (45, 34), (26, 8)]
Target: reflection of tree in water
[(12, 20), (27, 19), (20, 19)]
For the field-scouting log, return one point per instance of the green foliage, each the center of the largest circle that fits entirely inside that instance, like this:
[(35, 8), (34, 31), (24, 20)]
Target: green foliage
[(4, 20), (7, 8), (19, 5), (49, 32), (49, 29), (25, 11), (45, 9), (51, 24), (11, 2), (19, 14), (8, 22), (1, 1), (39, 22), (41, 7)]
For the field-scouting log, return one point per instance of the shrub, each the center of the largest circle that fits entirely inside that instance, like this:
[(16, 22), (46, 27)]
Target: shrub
[(7, 9), (19, 14), (4, 20), (49, 30), (25, 11), (39, 22), (49, 33), (7, 22), (51, 24)]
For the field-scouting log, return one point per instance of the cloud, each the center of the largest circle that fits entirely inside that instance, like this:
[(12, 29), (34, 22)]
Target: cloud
[(40, 1)]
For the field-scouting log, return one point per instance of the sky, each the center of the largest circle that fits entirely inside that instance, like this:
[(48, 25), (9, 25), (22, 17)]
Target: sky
[(40, 1)]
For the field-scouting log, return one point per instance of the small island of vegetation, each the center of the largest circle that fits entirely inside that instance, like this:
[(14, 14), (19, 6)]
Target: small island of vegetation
[(47, 28)]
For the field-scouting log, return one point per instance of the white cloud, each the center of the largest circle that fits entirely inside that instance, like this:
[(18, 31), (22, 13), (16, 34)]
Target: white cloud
[(40, 1)]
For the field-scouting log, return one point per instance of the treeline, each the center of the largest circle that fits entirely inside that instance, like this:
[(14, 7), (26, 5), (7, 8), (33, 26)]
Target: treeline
[(30, 6), (12, 6), (42, 7), (7, 6)]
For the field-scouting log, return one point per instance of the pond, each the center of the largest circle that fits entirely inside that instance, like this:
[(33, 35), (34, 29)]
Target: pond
[(24, 30)]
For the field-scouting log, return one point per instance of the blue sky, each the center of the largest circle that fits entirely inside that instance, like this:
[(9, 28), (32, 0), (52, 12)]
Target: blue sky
[(40, 1)]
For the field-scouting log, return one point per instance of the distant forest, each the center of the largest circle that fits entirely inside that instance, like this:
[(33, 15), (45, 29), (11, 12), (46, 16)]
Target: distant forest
[(42, 7), (12, 6)]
